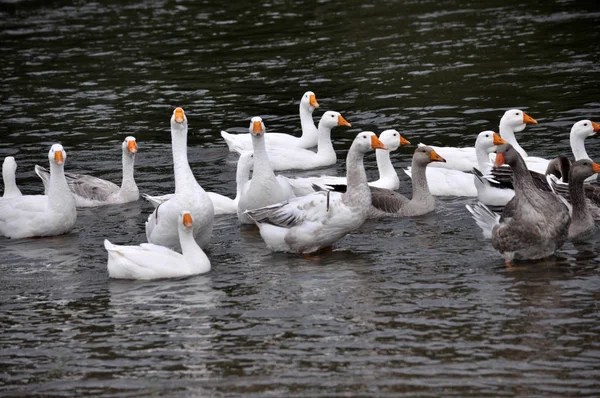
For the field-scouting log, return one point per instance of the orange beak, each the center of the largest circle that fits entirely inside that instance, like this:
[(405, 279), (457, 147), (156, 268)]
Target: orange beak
[(404, 141), (498, 140), (342, 121), (312, 100), (596, 126), (58, 157), (257, 128), (434, 157), (179, 115), (528, 119), (132, 146), (376, 144), (187, 220), (596, 167), (499, 160)]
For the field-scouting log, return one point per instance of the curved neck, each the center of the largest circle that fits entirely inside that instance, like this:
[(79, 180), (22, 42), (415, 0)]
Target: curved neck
[(10, 183), (242, 175), (522, 179), (483, 159), (128, 182), (309, 130), (357, 192), (577, 194), (508, 134), (385, 167), (324, 146), (262, 166), (578, 147), (183, 172), (419, 182), (193, 254)]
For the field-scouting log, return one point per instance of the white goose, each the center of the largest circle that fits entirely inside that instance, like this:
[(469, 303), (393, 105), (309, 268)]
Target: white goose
[(388, 178), (264, 188), (161, 227), (450, 182), (149, 261), (288, 158), (90, 191), (309, 138), (9, 168), (41, 215), (221, 204), (310, 223), (465, 159)]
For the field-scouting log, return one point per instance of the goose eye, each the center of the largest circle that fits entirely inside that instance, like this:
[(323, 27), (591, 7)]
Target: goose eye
[(585, 124), (517, 113), (395, 135), (332, 115)]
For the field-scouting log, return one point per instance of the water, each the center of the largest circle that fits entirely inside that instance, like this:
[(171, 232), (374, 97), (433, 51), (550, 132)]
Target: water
[(420, 306)]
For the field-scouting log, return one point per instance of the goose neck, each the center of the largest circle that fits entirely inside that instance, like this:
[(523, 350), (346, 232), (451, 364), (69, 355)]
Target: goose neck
[(577, 194), (58, 188), (419, 181), (261, 159), (309, 130), (384, 164), (128, 182), (522, 179), (183, 173), (193, 254), (324, 145), (10, 183), (358, 192), (508, 134), (483, 159), (578, 147)]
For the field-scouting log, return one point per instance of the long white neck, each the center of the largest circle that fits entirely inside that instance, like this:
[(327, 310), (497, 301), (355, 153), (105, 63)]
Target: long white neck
[(387, 173), (578, 147), (242, 175), (324, 146), (10, 183), (483, 159), (184, 178), (262, 167), (59, 194), (193, 254), (128, 183), (508, 134), (310, 134)]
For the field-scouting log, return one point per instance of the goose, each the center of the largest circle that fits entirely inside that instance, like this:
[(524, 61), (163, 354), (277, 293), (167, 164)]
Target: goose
[(41, 215), (149, 261), (309, 137), (387, 203), (221, 204), (264, 188), (451, 182), (388, 178), (161, 227), (533, 225), (287, 158), (465, 159), (590, 191), (9, 168), (309, 223), (90, 191)]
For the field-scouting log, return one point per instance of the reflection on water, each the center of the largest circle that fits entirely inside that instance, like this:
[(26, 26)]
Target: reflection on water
[(421, 306)]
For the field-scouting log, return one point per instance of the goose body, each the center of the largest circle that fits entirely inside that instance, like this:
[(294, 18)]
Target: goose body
[(9, 169), (149, 261), (387, 203), (41, 215), (388, 178), (161, 227), (90, 191), (533, 225), (312, 222), (309, 138), (288, 158)]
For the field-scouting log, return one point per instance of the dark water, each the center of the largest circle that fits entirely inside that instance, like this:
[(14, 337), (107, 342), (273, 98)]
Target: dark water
[(408, 307)]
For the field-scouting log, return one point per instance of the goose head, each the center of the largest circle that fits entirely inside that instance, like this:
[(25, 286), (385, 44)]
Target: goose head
[(178, 120), (57, 154), (488, 140), (516, 119), (309, 101), (185, 221), (506, 154), (582, 169), (257, 127), (330, 119), (425, 154), (584, 128), (130, 146), (560, 167), (366, 141), (9, 166), (392, 139)]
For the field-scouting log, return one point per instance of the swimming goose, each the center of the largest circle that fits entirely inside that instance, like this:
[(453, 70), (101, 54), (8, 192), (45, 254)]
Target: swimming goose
[(590, 191), (534, 224), (465, 159), (41, 215), (388, 178), (9, 168), (312, 222), (387, 203), (161, 227), (149, 261), (90, 191), (288, 158), (221, 204), (264, 188), (450, 182), (309, 138)]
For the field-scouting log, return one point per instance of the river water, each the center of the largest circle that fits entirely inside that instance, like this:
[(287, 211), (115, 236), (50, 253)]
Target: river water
[(406, 307)]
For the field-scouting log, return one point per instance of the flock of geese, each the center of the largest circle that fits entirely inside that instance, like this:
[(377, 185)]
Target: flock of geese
[(544, 202)]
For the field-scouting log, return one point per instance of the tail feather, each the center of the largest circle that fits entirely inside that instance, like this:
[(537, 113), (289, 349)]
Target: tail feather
[(484, 217)]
